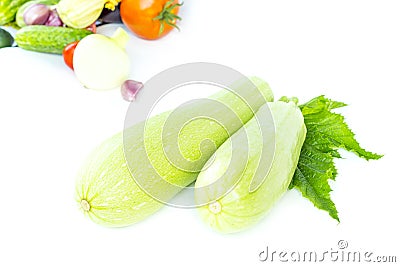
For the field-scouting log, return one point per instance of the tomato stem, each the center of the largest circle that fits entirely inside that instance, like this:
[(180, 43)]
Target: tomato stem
[(167, 17)]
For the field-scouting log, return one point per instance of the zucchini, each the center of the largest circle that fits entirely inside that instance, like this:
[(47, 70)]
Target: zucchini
[(106, 190), (48, 39), (8, 9), (231, 205), (80, 13)]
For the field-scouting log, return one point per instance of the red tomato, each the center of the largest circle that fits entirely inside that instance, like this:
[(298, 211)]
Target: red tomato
[(150, 19), (68, 54)]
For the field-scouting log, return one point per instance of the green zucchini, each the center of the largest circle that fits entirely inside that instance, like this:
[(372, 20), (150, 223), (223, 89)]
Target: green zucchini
[(241, 207), (81, 14), (8, 9), (106, 190), (48, 39)]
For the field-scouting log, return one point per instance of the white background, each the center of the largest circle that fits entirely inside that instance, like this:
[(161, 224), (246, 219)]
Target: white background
[(348, 50)]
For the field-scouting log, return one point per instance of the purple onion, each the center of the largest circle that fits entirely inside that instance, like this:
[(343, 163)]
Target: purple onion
[(36, 14), (54, 19), (129, 89)]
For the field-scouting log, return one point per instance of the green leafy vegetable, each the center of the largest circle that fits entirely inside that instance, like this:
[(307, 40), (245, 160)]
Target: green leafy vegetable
[(326, 133)]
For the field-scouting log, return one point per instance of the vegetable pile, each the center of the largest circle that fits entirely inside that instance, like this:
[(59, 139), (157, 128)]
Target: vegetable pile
[(299, 143), (106, 190), (60, 26)]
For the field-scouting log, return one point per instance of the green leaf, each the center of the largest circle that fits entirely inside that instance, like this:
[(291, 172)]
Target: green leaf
[(326, 133), (331, 126)]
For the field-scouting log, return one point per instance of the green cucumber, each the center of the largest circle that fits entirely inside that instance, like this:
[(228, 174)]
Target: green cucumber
[(6, 39), (241, 207), (19, 18), (48, 39), (106, 190), (8, 9)]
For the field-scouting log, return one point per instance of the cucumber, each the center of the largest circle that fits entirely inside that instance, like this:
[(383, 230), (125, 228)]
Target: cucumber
[(6, 39), (19, 18), (8, 9), (48, 39), (241, 207), (106, 190)]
